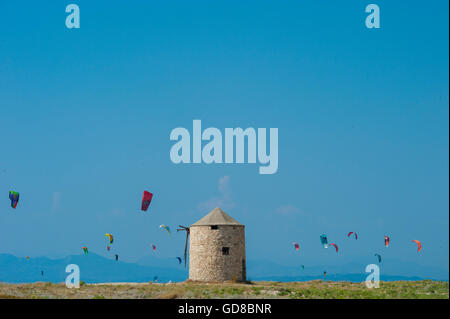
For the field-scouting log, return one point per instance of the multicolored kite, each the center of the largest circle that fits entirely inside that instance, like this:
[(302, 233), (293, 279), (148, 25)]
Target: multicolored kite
[(14, 197), (166, 228), (110, 237), (386, 241)]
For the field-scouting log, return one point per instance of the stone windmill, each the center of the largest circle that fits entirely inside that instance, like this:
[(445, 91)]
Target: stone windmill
[(217, 248)]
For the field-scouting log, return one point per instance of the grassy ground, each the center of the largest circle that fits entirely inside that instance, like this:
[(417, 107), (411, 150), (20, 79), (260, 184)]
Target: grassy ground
[(316, 289)]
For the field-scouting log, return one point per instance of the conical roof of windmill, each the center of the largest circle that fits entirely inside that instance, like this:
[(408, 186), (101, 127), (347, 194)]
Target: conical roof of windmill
[(217, 217)]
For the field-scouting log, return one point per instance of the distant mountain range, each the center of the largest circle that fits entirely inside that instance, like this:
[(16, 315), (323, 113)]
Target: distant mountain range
[(354, 272), (95, 269)]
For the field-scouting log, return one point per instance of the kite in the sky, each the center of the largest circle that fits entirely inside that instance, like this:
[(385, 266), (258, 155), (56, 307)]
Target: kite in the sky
[(335, 246), (27, 257), (386, 241), (303, 267), (179, 260), (110, 237), (146, 199), (153, 247), (350, 233), (85, 250), (419, 245), (379, 257), (166, 228), (324, 241), (14, 197), (296, 245)]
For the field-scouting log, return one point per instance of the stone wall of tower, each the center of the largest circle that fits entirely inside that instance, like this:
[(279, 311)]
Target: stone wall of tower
[(207, 261)]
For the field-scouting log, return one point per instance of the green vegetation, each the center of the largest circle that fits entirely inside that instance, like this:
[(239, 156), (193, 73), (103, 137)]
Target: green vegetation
[(316, 289)]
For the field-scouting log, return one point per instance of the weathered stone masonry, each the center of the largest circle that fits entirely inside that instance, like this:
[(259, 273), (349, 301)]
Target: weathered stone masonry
[(217, 248)]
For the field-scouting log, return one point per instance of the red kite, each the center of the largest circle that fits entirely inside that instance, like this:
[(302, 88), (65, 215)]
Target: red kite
[(335, 246), (419, 245), (146, 199)]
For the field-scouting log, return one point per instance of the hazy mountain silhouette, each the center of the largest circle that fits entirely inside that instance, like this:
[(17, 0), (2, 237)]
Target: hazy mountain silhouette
[(95, 268), (355, 272)]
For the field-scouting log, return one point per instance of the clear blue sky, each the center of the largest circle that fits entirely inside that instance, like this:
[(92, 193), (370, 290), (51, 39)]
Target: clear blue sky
[(362, 115)]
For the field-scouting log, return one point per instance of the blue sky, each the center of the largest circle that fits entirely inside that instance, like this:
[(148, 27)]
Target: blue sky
[(362, 116)]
